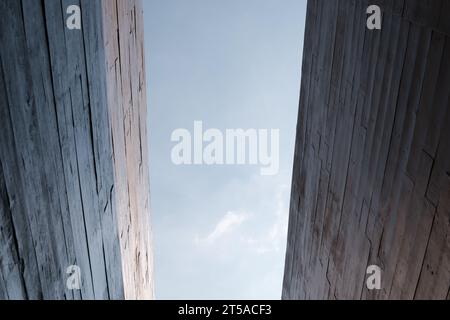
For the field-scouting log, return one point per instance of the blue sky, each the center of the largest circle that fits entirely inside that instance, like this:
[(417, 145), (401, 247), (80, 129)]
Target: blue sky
[(219, 232)]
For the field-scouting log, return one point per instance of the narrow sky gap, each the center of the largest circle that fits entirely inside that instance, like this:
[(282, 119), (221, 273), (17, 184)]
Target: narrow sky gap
[(220, 231)]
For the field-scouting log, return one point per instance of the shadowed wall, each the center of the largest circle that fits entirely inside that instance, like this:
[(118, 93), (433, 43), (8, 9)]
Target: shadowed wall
[(371, 179)]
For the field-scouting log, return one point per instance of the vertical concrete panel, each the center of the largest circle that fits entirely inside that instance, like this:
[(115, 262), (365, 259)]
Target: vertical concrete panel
[(375, 190)]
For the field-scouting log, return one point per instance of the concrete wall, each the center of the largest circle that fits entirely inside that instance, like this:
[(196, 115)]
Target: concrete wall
[(127, 104), (371, 180), (61, 184)]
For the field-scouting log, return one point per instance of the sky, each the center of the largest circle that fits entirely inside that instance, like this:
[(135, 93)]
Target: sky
[(219, 232)]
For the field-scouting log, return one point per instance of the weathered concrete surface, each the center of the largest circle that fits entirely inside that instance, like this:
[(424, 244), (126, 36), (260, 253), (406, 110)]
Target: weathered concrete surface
[(60, 201), (127, 102), (371, 180)]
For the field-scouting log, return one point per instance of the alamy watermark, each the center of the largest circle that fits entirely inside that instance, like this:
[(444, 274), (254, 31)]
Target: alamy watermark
[(374, 18), (73, 281), (232, 147), (73, 21), (373, 281)]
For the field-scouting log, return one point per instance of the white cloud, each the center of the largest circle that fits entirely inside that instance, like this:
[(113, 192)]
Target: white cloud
[(255, 237), (274, 238), (229, 222)]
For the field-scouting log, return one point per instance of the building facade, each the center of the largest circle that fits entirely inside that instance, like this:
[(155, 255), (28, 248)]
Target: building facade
[(74, 189), (371, 179)]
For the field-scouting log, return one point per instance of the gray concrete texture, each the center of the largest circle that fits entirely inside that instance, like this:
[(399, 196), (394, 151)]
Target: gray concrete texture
[(371, 179), (74, 186)]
